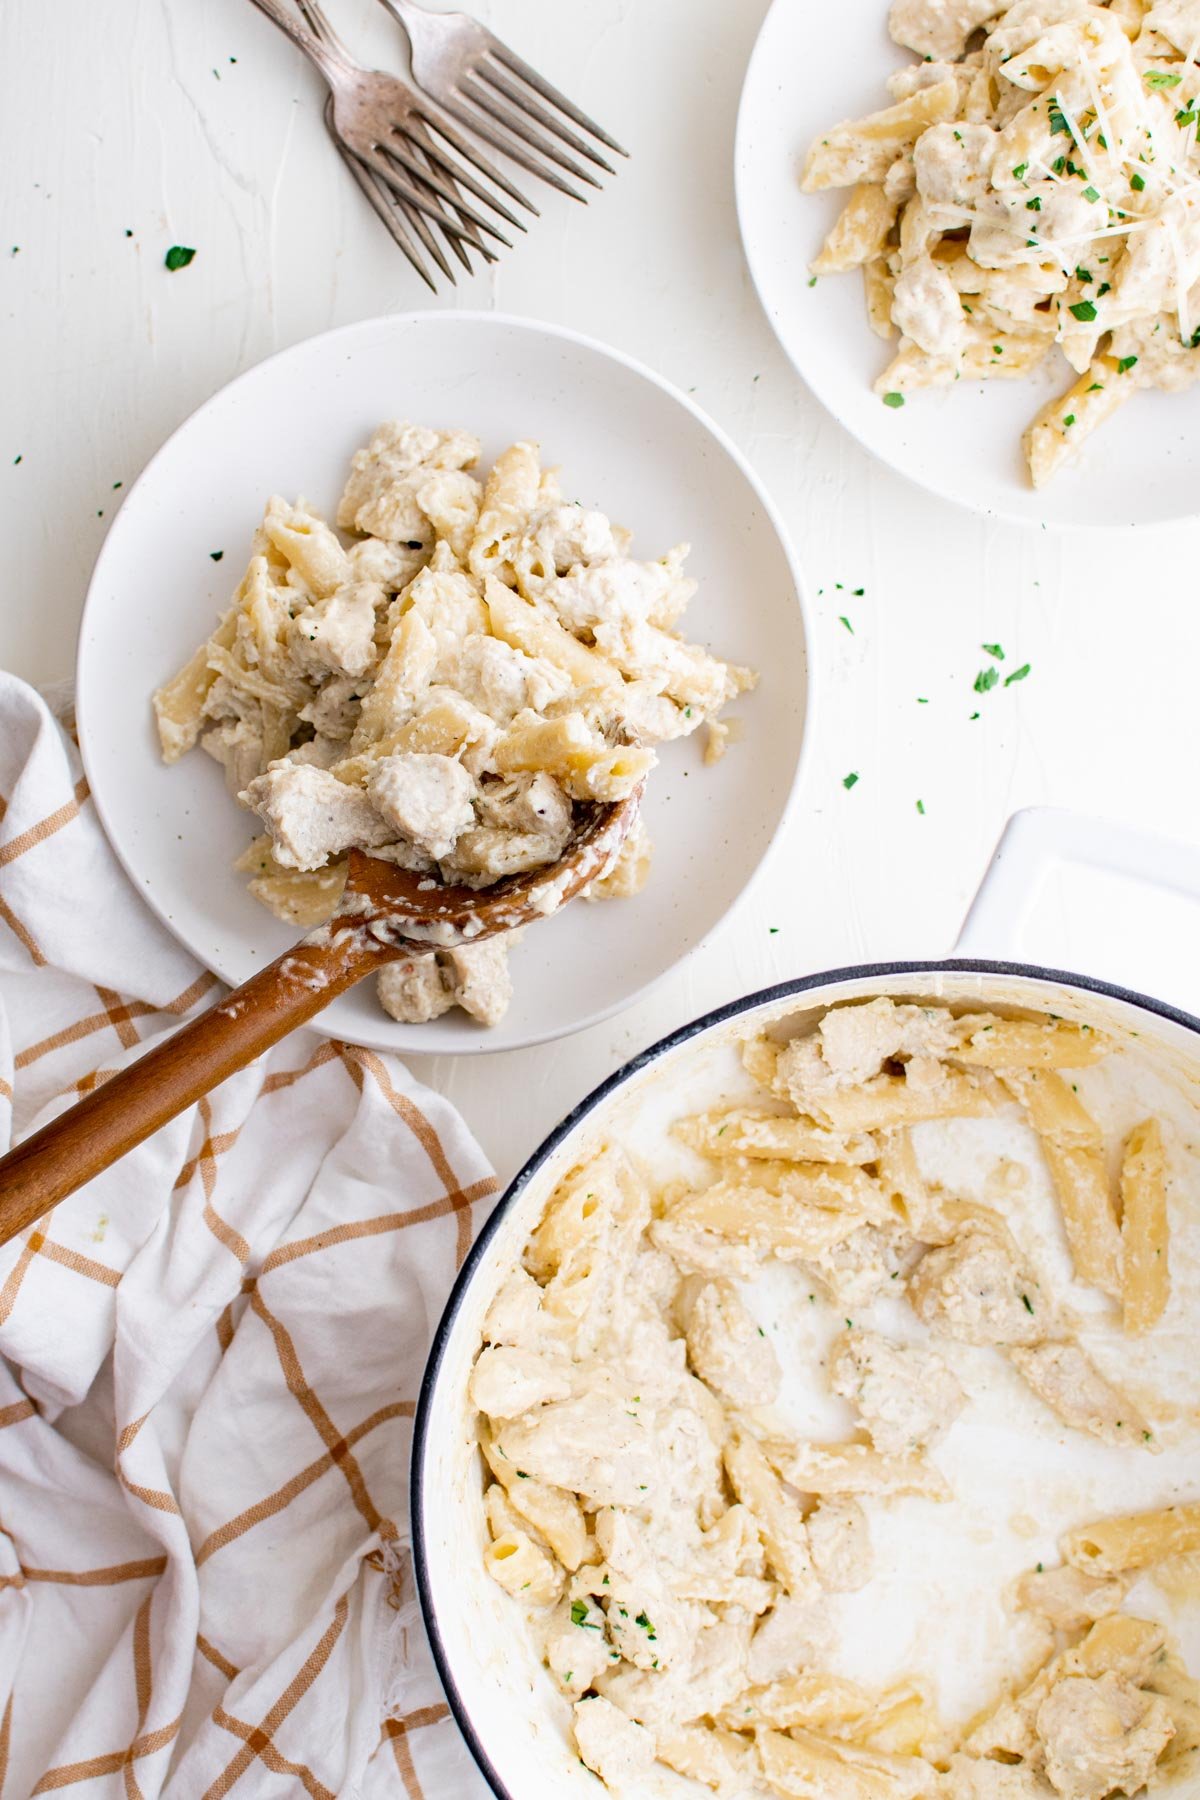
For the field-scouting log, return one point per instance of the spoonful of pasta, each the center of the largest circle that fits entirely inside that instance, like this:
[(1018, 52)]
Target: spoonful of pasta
[(386, 913)]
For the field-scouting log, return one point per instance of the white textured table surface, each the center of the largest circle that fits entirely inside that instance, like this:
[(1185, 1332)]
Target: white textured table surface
[(191, 121)]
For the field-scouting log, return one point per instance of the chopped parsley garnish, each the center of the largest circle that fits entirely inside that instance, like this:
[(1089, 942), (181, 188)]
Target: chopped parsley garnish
[(178, 256), (579, 1616), (1027, 1303), (1069, 420), (1104, 288), (893, 399), (1089, 193), (1137, 182), (1083, 274), (1161, 78), (986, 678), (848, 781), (1017, 675), (812, 281), (1019, 171), (1035, 204), (1126, 363), (995, 650), (1059, 164), (1185, 118), (646, 1626), (998, 349), (1095, 387), (1058, 120), (1084, 311)]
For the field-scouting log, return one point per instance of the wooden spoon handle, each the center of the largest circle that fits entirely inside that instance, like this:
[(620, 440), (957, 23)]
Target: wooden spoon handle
[(132, 1104)]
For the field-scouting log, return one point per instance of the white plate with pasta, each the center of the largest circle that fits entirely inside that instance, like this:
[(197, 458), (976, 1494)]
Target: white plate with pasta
[(817, 1416), (449, 652), (1003, 265)]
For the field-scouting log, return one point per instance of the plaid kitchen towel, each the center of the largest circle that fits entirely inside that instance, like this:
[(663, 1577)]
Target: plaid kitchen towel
[(210, 1362)]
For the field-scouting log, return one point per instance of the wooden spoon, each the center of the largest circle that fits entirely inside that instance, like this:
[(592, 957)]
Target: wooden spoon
[(385, 913)]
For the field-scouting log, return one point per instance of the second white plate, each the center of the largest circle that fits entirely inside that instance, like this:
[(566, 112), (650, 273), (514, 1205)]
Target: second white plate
[(963, 443), (627, 443)]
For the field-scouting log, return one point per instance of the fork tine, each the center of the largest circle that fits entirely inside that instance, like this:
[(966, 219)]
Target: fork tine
[(420, 225), (525, 103), (444, 169), (516, 66), (487, 100), (394, 163), (481, 126), (456, 244), (434, 116), (383, 208)]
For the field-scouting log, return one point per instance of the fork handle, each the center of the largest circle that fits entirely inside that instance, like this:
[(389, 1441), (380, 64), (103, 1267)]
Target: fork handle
[(134, 1103), (332, 64)]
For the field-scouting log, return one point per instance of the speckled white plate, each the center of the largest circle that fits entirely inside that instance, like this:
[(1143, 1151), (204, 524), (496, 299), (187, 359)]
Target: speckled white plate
[(628, 443), (964, 442)]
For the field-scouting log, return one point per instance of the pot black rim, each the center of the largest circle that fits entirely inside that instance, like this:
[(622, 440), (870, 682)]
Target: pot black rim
[(721, 1015)]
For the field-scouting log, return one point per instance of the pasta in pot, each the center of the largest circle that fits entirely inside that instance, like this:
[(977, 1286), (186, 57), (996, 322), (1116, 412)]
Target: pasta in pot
[(444, 689), (1034, 183), (679, 1548)]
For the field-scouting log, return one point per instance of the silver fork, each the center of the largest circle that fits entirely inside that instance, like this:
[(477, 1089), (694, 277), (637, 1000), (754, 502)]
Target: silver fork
[(402, 219), (406, 142), (470, 73)]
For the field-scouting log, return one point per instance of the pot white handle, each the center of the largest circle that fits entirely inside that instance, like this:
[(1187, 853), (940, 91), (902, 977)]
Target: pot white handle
[(1103, 900)]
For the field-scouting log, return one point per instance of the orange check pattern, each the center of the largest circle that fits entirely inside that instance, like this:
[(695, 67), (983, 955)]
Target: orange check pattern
[(209, 1360)]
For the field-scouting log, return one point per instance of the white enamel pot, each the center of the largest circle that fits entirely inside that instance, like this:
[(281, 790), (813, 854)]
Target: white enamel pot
[(1137, 895)]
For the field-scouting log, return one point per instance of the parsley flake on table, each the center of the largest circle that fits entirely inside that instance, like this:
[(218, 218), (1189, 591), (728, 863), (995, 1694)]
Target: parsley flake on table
[(848, 781), (986, 678), (893, 399), (921, 808), (996, 650), (216, 555), (842, 619), (178, 256), (1017, 675)]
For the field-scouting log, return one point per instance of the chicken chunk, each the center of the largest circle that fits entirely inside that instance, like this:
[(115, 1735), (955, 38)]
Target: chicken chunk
[(427, 799), (974, 1290), (1101, 1733), (611, 1745), (506, 1382), (938, 28), (1071, 1385), (839, 1541), (337, 635), (972, 1778), (904, 1393), (380, 495), (474, 976), (311, 815), (1070, 1599), (728, 1350)]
